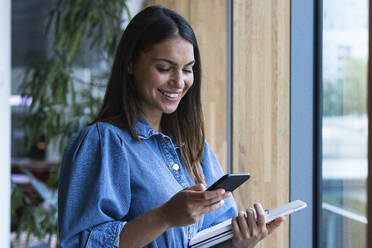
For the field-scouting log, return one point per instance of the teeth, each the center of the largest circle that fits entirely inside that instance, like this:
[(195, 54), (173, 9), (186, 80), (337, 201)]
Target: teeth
[(172, 95)]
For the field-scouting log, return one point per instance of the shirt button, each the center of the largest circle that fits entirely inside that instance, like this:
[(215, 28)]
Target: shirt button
[(176, 167)]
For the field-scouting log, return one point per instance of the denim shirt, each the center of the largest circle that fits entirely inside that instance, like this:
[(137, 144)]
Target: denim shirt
[(109, 178)]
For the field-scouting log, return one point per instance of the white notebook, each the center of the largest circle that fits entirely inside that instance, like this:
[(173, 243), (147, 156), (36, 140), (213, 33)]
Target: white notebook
[(222, 231)]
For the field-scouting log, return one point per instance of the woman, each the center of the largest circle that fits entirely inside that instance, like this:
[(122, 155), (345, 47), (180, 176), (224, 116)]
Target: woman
[(136, 176)]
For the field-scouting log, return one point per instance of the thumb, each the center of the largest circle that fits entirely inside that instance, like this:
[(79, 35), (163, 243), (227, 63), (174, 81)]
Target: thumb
[(274, 224), (197, 187)]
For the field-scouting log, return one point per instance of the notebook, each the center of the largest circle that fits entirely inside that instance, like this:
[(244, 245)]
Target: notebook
[(222, 232)]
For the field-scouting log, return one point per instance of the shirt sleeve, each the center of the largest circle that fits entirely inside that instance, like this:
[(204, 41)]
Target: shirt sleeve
[(212, 172), (94, 189)]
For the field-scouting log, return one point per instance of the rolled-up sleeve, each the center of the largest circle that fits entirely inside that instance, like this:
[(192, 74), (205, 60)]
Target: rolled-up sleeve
[(94, 189)]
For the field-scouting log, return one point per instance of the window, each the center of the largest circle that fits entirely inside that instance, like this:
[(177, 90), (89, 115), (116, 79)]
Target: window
[(344, 123)]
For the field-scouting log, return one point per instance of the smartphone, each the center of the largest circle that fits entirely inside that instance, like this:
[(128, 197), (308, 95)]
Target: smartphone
[(230, 182), (285, 210)]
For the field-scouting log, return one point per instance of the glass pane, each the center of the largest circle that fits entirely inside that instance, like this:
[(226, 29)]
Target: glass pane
[(32, 45), (344, 131)]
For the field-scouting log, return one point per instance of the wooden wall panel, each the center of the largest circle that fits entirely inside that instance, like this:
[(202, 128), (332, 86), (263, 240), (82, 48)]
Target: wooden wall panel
[(261, 98), (209, 21)]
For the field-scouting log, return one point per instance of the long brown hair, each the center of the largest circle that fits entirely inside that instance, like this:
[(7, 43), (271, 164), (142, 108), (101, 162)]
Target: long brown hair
[(121, 102)]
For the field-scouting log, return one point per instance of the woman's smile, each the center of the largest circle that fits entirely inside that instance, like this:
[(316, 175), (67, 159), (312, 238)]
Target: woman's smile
[(171, 95)]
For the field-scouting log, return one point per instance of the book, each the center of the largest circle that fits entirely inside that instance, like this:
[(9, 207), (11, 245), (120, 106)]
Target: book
[(222, 232)]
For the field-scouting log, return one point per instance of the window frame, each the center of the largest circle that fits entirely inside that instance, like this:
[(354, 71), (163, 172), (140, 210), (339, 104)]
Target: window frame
[(305, 120)]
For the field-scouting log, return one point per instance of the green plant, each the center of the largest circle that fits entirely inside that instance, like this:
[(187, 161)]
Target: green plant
[(34, 214), (62, 100), (347, 96)]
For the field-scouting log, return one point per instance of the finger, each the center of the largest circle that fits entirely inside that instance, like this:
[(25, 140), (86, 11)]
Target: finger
[(274, 224), (251, 221), (223, 193), (213, 195), (236, 229), (211, 202), (213, 207), (217, 199), (260, 215), (244, 229), (197, 187), (227, 194)]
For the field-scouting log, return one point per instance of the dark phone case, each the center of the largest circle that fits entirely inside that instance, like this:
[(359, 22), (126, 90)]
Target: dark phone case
[(230, 182)]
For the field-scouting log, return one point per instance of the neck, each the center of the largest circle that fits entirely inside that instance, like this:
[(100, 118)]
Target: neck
[(153, 120)]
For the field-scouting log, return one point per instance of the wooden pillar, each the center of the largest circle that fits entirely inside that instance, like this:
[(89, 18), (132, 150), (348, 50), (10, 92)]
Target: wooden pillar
[(261, 97)]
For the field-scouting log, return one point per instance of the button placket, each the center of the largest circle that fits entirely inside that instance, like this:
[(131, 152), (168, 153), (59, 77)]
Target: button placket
[(190, 231), (172, 160)]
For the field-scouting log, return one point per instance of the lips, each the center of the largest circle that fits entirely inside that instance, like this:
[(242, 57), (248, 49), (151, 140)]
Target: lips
[(170, 94)]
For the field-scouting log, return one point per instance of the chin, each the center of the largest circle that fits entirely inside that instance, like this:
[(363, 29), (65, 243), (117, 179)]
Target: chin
[(169, 111)]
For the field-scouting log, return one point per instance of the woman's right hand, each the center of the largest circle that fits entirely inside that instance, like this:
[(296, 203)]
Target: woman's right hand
[(250, 229), (189, 205)]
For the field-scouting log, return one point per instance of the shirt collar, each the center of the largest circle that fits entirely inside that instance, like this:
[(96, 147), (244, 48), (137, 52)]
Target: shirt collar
[(143, 129)]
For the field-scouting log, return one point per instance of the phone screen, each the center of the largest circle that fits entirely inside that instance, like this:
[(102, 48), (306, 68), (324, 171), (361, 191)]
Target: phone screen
[(230, 182)]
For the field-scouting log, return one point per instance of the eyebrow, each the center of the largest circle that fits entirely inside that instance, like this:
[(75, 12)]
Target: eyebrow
[(173, 63)]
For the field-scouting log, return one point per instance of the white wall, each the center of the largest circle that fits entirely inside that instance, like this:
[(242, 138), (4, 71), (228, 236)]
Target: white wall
[(4, 122)]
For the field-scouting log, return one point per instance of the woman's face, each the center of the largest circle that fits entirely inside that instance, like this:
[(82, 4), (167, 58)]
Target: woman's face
[(163, 75)]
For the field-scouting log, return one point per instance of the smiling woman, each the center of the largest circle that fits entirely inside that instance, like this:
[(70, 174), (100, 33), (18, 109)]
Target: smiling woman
[(137, 175)]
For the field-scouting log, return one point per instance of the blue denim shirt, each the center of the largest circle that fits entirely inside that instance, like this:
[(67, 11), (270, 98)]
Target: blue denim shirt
[(109, 178)]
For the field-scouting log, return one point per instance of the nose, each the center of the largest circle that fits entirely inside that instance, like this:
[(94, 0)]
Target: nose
[(178, 79)]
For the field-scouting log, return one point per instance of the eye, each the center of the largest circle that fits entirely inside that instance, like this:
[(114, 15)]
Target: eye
[(187, 70), (161, 69)]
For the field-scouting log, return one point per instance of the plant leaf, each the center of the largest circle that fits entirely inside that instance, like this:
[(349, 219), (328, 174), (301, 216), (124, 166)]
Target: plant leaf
[(49, 196)]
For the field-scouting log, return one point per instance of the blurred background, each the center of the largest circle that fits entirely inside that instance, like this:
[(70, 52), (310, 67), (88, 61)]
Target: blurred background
[(61, 56), (345, 123), (61, 53)]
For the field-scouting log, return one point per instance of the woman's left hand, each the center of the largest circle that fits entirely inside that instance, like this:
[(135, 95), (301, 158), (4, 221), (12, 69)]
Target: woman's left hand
[(248, 230)]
